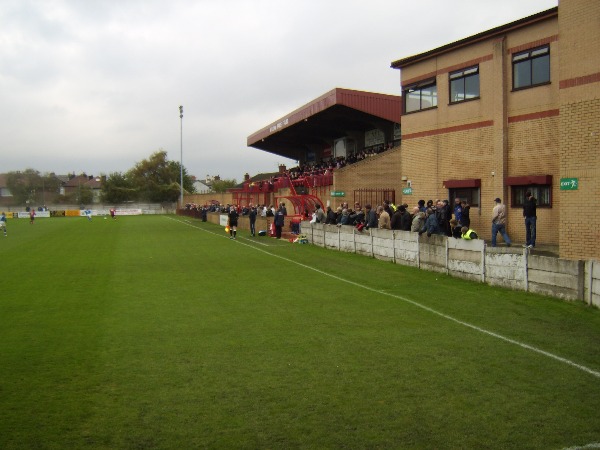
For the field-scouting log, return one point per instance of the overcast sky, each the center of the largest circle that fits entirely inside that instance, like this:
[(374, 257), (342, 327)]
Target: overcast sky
[(95, 85)]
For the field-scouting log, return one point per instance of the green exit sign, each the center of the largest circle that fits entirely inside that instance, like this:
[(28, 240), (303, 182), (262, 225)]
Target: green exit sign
[(569, 184), (407, 191), (338, 194)]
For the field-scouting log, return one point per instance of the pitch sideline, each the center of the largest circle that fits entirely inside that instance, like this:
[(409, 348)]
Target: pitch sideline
[(419, 305)]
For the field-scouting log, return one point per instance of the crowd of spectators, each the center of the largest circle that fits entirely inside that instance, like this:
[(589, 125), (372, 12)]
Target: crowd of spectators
[(261, 210), (434, 217), (321, 169), (431, 217), (327, 167)]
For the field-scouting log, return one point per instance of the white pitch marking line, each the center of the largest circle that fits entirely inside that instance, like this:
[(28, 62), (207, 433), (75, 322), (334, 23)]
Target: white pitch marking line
[(190, 224), (438, 313), (592, 445)]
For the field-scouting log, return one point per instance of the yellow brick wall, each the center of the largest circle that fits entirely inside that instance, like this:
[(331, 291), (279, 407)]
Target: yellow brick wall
[(533, 149), (379, 171), (580, 127), (580, 145)]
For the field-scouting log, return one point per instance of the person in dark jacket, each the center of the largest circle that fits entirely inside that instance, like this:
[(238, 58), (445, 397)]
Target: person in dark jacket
[(529, 212), (448, 217), (358, 216), (405, 219), (370, 217), (232, 221), (396, 219), (278, 221), (444, 214), (331, 217), (456, 229), (466, 219), (431, 224), (252, 220)]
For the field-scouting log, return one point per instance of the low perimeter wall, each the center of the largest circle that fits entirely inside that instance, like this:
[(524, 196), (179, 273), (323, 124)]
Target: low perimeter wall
[(512, 267)]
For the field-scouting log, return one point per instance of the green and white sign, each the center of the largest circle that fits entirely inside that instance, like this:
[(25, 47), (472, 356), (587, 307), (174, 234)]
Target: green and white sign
[(338, 194), (407, 191), (569, 184)]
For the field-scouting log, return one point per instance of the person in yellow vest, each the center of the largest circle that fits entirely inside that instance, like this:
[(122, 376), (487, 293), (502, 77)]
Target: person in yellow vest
[(468, 234)]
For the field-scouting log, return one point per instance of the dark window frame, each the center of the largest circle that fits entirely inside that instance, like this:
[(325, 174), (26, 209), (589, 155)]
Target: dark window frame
[(463, 75), (409, 90), (471, 194), (530, 56), (541, 192)]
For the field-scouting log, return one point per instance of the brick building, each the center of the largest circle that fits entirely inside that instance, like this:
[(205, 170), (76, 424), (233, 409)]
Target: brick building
[(511, 109)]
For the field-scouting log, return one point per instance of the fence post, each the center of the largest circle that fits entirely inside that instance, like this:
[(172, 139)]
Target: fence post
[(581, 280), (483, 263), (526, 268), (447, 255), (418, 251)]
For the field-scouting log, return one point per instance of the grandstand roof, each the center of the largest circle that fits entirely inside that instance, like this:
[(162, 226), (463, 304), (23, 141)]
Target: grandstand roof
[(334, 115)]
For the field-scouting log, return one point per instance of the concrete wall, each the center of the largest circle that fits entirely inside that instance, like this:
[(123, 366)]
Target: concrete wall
[(512, 268)]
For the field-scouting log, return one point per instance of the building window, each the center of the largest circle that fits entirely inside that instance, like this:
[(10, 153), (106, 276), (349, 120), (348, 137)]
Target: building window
[(420, 96), (543, 195), (531, 68), (470, 195), (464, 84)]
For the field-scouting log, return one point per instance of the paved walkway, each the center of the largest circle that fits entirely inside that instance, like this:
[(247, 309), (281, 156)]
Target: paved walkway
[(539, 250)]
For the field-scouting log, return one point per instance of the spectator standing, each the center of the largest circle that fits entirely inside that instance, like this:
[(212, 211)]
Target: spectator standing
[(388, 209), (396, 220), (455, 229), (466, 208), (331, 216), (431, 225), (458, 210), (320, 215), (370, 217), (279, 220), (252, 219), (344, 219), (444, 214), (499, 222), (384, 219), (232, 222), (338, 214), (530, 214), (418, 221), (358, 216), (405, 219)]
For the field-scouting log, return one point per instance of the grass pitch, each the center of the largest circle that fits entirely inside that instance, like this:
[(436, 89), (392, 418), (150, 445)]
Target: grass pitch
[(160, 332)]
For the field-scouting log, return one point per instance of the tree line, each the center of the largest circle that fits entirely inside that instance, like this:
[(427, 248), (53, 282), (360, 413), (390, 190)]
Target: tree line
[(155, 180)]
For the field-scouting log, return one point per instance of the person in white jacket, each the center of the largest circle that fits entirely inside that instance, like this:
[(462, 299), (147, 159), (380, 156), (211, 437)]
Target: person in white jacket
[(499, 223)]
